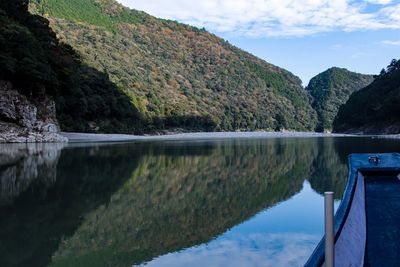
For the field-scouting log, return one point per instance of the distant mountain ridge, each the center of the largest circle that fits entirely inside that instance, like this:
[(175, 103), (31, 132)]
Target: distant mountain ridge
[(374, 109), (331, 89), (175, 75)]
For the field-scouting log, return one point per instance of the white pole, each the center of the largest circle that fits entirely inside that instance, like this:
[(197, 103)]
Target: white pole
[(329, 232)]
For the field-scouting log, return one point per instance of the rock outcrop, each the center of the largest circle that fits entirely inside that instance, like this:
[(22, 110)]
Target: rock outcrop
[(22, 121)]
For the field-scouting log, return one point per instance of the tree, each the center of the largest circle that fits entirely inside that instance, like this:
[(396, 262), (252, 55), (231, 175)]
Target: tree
[(43, 6), (16, 7), (392, 66)]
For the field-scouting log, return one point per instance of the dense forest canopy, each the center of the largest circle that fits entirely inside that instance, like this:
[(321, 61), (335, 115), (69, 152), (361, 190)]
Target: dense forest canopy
[(376, 108), (175, 75), (331, 89)]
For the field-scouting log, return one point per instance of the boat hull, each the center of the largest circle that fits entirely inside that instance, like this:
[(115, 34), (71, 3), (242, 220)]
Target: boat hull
[(351, 218)]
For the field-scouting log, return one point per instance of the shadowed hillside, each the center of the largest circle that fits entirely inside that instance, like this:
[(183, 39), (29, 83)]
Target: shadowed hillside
[(40, 67), (374, 109)]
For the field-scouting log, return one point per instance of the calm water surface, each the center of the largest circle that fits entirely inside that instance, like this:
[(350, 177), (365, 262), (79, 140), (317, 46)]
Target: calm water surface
[(233, 202)]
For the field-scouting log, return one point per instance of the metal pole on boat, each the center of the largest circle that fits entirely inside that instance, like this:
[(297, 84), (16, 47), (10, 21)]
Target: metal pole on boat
[(329, 232)]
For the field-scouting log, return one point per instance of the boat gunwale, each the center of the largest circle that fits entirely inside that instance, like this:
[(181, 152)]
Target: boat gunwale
[(357, 163)]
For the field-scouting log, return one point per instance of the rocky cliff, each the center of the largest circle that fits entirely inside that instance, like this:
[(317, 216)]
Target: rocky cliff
[(23, 120)]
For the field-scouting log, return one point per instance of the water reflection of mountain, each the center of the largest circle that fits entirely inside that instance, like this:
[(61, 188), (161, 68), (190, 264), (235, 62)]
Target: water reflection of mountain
[(32, 227), (23, 164), (172, 201), (329, 172), (125, 204), (346, 146)]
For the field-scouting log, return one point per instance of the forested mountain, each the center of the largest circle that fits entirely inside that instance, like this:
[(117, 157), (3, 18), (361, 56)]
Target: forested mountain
[(36, 69), (374, 109), (331, 89), (175, 76)]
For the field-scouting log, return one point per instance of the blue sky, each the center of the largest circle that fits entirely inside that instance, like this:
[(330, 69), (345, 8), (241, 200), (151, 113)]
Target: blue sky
[(304, 36)]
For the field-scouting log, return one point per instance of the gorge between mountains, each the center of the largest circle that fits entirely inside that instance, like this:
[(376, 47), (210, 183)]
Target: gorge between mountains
[(96, 66)]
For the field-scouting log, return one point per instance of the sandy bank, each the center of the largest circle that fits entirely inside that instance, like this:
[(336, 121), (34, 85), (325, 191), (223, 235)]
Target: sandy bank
[(86, 137)]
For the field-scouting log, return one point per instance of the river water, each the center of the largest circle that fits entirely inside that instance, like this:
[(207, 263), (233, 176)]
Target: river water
[(215, 202)]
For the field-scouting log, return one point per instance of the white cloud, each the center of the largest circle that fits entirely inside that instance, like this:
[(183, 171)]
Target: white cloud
[(379, 2), (275, 17), (262, 249), (391, 42), (392, 13)]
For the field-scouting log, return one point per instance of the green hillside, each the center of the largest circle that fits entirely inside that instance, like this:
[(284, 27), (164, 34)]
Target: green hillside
[(177, 76), (374, 109), (102, 13), (331, 89)]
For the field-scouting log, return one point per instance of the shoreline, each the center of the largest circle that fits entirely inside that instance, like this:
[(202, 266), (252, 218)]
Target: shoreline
[(101, 138), (76, 138)]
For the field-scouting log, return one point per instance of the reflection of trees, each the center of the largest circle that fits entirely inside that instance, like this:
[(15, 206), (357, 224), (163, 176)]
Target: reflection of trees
[(127, 203), (330, 167), (171, 201), (349, 145), (22, 164), (33, 226), (328, 173)]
